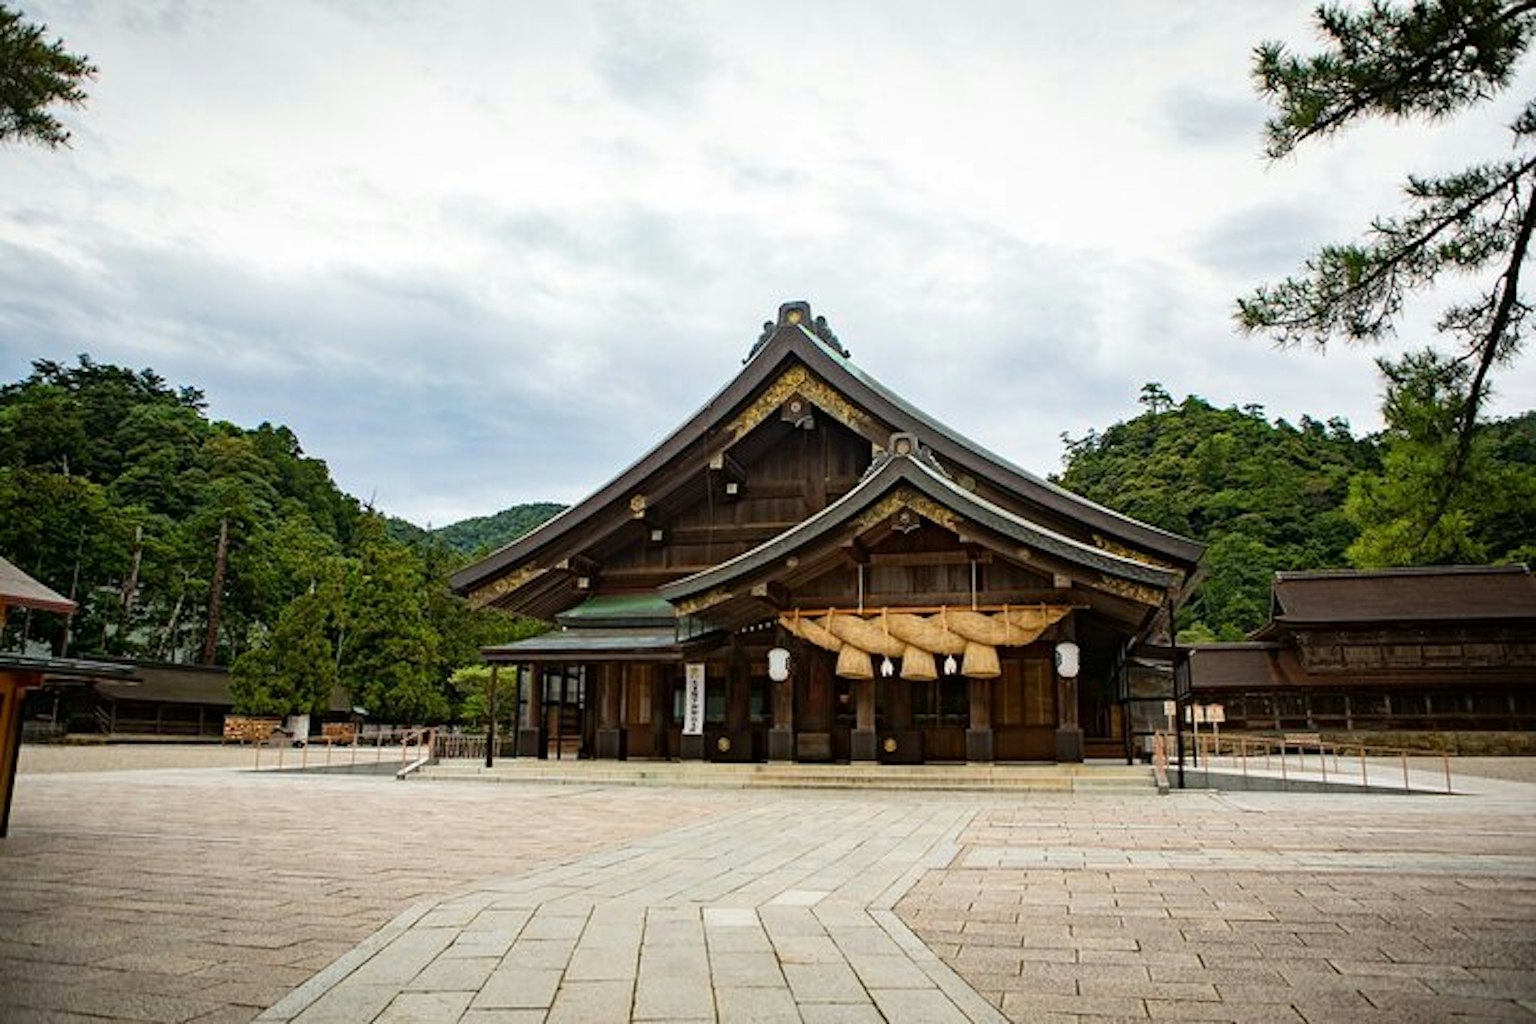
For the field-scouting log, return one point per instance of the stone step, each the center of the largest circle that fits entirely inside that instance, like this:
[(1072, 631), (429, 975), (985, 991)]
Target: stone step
[(1064, 778)]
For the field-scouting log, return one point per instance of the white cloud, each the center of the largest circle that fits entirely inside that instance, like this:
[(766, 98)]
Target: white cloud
[(477, 253)]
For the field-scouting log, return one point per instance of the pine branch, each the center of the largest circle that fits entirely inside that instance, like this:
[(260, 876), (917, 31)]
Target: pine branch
[(1489, 349), (1272, 76), (1299, 310)]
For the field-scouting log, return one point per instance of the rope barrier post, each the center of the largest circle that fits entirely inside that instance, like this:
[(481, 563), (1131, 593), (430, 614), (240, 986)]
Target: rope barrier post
[(1445, 759), (1364, 778), (1406, 786)]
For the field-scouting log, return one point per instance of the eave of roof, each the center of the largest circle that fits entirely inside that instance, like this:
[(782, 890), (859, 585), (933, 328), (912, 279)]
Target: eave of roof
[(71, 668), (894, 471), (791, 342), (19, 590), (649, 643)]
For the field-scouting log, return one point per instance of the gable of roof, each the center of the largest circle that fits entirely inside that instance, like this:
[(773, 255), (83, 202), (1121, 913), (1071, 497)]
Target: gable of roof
[(797, 339), (911, 473)]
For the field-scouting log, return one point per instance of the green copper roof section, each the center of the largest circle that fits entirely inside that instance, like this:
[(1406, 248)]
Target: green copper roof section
[(620, 610)]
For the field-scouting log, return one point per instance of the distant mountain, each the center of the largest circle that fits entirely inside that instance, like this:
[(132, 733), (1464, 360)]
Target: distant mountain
[(482, 534)]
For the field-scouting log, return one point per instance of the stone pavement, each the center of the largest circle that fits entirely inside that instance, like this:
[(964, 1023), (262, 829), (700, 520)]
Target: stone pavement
[(209, 894), (552, 903), (777, 913), (1248, 907)]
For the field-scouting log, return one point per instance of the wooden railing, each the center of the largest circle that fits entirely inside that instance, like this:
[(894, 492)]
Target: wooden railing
[(1307, 756), (408, 748)]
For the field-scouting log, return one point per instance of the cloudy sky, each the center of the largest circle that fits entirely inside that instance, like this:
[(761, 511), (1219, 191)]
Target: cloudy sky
[(481, 252)]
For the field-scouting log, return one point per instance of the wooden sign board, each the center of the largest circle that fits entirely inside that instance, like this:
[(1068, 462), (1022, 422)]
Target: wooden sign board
[(693, 700)]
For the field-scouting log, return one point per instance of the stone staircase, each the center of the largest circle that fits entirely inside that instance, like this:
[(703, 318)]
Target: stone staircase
[(1105, 777)]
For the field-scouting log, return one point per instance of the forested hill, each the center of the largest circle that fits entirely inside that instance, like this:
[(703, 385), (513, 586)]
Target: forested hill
[(484, 534), (481, 535), (189, 539), (1268, 496)]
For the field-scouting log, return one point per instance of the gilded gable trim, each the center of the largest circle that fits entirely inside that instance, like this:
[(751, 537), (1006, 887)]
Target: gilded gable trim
[(503, 585), (799, 380)]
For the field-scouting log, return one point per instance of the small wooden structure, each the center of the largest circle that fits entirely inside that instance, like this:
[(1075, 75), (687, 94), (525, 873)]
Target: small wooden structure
[(812, 569), (18, 674)]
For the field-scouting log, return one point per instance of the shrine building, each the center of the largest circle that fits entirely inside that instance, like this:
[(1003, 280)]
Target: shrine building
[(811, 569)]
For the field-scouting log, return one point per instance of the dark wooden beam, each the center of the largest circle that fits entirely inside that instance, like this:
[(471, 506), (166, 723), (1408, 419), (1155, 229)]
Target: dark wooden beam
[(773, 592), (647, 579), (721, 462), (727, 532), (962, 598), (923, 558)]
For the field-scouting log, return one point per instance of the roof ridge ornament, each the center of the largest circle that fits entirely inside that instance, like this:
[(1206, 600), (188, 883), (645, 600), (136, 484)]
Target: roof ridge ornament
[(798, 314), (904, 444)]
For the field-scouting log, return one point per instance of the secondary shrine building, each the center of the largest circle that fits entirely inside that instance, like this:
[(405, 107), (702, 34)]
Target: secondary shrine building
[(812, 569)]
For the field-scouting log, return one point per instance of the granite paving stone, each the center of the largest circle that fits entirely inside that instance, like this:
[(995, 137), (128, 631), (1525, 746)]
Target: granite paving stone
[(226, 895), (592, 1002)]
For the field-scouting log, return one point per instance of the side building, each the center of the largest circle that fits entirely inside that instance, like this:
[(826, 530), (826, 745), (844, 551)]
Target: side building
[(1442, 656), (812, 569)]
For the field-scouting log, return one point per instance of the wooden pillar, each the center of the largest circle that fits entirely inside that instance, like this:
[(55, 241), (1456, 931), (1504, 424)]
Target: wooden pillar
[(978, 734), (813, 735), (738, 690), (12, 692), (1069, 734), (735, 741), (663, 680), (900, 741), (898, 705), (490, 716), (530, 738), (863, 741), (611, 735)]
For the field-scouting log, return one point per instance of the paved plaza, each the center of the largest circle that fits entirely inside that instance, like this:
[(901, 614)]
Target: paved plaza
[(214, 893)]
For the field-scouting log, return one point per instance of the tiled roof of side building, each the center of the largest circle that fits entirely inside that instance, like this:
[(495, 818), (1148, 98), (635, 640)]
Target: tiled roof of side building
[(1434, 593)]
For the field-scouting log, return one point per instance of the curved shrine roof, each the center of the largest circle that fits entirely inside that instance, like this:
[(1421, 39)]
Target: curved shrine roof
[(798, 339)]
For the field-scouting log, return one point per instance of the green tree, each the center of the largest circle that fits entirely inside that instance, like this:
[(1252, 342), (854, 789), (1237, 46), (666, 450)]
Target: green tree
[(34, 75), (114, 487), (292, 671), (389, 651), (1428, 60), (472, 685), (1491, 518)]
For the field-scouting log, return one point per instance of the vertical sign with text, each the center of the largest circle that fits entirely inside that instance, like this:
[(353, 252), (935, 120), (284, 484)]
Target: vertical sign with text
[(693, 700)]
